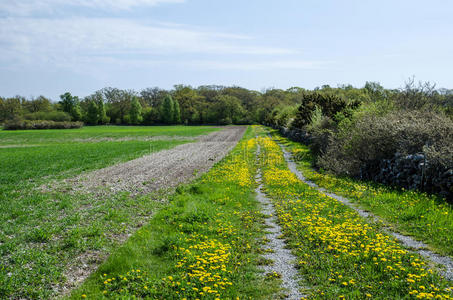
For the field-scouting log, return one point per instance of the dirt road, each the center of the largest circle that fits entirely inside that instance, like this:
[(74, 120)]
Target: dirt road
[(162, 169)]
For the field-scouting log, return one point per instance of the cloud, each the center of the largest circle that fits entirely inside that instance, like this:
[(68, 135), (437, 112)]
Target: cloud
[(59, 41), (28, 7), (268, 64)]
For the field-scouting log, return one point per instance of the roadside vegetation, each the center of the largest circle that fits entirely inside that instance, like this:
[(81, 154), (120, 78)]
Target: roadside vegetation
[(426, 217), (341, 255), (204, 245), (43, 232)]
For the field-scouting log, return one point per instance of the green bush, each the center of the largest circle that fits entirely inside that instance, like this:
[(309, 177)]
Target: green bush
[(332, 106), (39, 124)]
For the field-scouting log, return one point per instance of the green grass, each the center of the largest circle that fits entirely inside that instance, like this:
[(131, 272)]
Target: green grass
[(41, 232), (205, 244), (52, 136), (426, 217), (341, 255)]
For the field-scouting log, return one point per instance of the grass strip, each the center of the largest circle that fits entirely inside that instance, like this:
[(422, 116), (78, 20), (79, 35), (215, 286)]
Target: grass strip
[(204, 245), (428, 218), (340, 254)]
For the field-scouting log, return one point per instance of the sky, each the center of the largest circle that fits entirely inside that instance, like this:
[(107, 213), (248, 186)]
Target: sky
[(48, 47)]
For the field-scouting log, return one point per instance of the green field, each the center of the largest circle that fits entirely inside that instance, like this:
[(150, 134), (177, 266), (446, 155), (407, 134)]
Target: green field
[(41, 232), (57, 136), (205, 240)]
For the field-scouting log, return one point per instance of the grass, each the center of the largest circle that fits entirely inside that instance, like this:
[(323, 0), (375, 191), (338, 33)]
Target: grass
[(426, 217), (205, 244), (42, 232), (53, 136), (341, 255)]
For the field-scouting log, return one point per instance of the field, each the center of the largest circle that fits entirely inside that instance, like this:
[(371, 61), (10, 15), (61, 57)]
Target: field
[(236, 210), (40, 233)]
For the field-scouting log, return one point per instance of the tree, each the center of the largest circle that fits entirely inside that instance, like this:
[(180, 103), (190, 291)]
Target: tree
[(102, 114), (136, 111), (167, 110), (11, 108), (71, 105), (190, 103), (119, 102), (227, 109), (39, 104), (176, 112), (153, 96), (92, 116)]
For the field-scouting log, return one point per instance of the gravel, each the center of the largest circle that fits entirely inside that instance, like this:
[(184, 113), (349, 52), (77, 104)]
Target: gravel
[(163, 169), (283, 259), (445, 262)]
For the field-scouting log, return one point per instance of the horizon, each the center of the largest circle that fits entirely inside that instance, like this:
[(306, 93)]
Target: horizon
[(51, 47)]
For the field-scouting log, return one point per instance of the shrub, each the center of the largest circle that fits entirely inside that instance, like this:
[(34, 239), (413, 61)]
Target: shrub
[(39, 124), (330, 105), (371, 143)]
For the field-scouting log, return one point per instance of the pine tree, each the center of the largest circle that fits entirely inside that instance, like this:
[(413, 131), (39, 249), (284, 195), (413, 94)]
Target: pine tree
[(102, 115), (136, 111), (176, 112), (167, 110), (92, 113)]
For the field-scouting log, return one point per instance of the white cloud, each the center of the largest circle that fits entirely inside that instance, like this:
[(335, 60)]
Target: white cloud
[(268, 64), (59, 41), (28, 7)]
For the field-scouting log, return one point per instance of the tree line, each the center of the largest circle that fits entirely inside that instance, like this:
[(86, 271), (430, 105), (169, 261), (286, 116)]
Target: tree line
[(215, 104)]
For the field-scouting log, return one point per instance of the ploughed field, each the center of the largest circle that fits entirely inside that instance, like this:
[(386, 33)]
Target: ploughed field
[(92, 213)]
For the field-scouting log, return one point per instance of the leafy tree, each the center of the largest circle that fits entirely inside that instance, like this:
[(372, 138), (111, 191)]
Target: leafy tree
[(70, 104), (190, 103), (39, 104), (227, 109), (167, 110), (119, 102), (153, 96), (92, 116), (11, 108), (135, 112)]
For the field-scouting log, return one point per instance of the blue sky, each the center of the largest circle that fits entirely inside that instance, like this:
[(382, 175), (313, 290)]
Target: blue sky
[(49, 47)]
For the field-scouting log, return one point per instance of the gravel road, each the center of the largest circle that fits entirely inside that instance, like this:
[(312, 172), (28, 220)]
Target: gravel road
[(162, 169), (283, 261)]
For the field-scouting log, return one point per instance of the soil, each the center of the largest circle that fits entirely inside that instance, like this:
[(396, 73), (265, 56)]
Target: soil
[(163, 169)]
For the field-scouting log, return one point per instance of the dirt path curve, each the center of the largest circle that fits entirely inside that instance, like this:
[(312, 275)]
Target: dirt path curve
[(163, 169), (445, 262), (282, 258)]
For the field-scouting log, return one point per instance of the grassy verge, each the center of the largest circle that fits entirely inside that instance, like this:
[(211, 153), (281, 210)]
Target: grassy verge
[(426, 217), (204, 244), (42, 232), (340, 254)]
